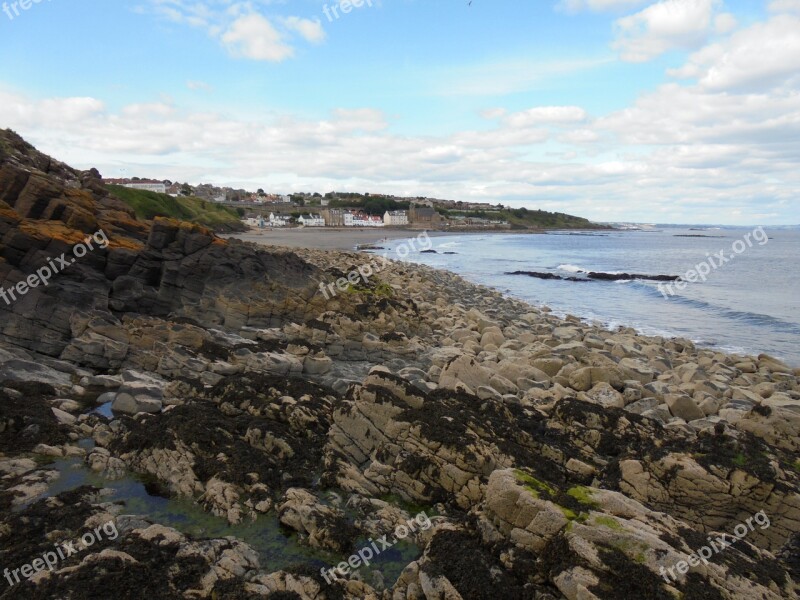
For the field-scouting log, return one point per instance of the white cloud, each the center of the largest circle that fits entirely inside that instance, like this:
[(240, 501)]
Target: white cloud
[(198, 86), (492, 114), (573, 6), (664, 26), (785, 6), (359, 119), (240, 28), (723, 145), (546, 114), (757, 58), (725, 23), (580, 136), (253, 36), (309, 30)]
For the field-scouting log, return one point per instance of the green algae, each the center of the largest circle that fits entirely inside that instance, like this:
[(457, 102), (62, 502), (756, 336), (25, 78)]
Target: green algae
[(533, 485)]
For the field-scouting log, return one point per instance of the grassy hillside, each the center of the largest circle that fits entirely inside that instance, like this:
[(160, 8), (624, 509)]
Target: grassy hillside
[(522, 218), (194, 210)]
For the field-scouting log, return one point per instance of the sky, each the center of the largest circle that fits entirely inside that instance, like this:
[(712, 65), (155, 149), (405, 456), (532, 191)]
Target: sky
[(667, 111)]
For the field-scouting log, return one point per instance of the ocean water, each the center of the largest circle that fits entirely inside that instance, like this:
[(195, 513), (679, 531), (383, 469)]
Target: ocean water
[(749, 304)]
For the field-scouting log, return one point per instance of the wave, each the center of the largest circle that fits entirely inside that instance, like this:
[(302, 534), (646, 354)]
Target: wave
[(571, 269), (751, 318), (597, 274)]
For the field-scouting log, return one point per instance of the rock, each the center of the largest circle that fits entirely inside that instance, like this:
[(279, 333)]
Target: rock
[(485, 392), (132, 405), (69, 406), (27, 371), (467, 371), (636, 369), (492, 336), (63, 417), (503, 385), (641, 406), (325, 527), (684, 407), (518, 512), (585, 378), (46, 450), (317, 365), (105, 398), (550, 366), (604, 395), (710, 406)]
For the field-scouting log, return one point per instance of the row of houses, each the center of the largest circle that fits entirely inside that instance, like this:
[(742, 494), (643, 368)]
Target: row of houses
[(341, 219), (338, 217), (272, 221)]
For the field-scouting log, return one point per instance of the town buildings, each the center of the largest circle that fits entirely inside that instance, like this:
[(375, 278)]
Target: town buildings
[(424, 216), (278, 220), (311, 221), (395, 218)]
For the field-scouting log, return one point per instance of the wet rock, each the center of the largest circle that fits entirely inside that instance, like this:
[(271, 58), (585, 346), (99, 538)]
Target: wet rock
[(323, 526)]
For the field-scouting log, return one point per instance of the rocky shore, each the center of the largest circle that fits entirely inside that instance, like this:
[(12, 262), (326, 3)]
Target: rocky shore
[(555, 459)]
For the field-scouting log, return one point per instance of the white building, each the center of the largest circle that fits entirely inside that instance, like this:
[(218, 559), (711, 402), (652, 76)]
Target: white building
[(349, 219), (149, 186), (278, 220), (363, 220), (256, 222), (395, 217), (312, 221)]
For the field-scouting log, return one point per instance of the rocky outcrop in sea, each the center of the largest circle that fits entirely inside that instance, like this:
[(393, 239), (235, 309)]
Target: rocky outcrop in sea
[(553, 458)]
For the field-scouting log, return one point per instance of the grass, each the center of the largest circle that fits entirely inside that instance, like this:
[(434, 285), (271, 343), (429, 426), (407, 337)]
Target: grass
[(739, 460), (583, 495), (522, 218), (571, 516), (148, 205), (533, 485), (607, 522)]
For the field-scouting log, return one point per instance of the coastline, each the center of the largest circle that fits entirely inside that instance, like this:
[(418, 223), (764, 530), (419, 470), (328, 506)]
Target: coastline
[(325, 238), (245, 425), (343, 239), (348, 238), (423, 386)]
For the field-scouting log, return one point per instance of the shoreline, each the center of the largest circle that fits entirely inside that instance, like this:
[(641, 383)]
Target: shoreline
[(341, 239), (349, 238)]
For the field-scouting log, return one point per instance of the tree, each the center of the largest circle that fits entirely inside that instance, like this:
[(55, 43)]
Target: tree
[(186, 190)]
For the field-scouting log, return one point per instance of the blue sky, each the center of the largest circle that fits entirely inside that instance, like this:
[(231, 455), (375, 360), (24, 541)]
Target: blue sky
[(661, 111)]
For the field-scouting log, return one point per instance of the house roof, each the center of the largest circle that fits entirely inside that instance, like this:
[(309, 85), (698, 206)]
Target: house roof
[(424, 211)]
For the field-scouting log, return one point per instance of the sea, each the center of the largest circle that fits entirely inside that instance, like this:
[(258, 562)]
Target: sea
[(749, 302)]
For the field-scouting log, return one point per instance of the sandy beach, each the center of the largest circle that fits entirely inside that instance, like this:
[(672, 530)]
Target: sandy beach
[(327, 238)]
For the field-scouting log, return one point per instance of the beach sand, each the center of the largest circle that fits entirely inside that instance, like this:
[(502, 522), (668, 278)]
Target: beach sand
[(327, 238)]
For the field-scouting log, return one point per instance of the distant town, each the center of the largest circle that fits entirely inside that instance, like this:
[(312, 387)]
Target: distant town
[(264, 210)]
